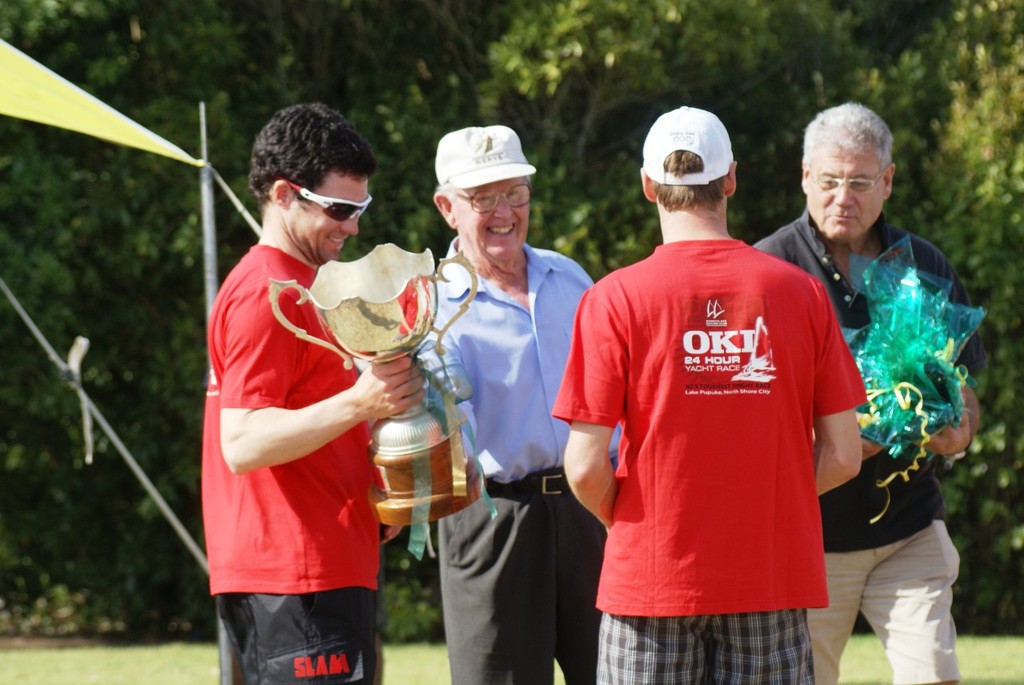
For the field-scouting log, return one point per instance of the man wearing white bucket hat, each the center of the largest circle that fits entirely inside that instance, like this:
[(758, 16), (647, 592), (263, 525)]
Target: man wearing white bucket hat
[(519, 590), (736, 396)]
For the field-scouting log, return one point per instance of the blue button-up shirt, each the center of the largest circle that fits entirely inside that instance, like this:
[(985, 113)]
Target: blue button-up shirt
[(514, 358)]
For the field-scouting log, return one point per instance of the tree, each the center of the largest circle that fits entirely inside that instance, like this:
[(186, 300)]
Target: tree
[(975, 194), (952, 99)]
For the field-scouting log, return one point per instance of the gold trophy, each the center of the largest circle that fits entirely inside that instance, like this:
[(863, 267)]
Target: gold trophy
[(378, 308)]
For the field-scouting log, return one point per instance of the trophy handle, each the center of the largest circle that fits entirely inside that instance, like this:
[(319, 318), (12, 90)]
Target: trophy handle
[(461, 260), (276, 288)]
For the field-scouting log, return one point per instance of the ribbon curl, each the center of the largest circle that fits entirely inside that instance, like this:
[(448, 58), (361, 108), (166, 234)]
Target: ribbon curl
[(902, 394)]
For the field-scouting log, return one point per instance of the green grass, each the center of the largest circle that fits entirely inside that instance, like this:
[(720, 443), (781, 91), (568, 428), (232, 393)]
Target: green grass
[(984, 661)]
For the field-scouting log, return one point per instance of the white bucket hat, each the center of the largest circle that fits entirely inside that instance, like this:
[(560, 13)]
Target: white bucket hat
[(476, 156)]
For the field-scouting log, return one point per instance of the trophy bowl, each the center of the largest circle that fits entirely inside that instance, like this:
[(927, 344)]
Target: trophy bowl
[(378, 308)]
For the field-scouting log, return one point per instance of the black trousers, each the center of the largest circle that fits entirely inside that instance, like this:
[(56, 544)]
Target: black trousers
[(519, 591)]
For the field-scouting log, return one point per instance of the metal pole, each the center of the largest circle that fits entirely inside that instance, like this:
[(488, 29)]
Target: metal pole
[(209, 224), (229, 672)]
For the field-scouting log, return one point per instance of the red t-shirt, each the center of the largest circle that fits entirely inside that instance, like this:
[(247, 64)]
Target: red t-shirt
[(306, 525), (715, 357)]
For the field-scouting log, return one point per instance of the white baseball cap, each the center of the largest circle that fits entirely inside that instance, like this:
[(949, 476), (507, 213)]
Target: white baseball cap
[(694, 130), (476, 156)]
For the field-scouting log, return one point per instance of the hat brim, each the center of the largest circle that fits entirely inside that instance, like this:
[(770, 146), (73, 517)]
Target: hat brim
[(501, 172)]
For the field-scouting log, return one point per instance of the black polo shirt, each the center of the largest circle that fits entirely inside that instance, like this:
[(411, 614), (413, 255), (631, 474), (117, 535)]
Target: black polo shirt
[(847, 510)]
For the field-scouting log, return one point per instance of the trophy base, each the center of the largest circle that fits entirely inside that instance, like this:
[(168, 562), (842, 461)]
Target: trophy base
[(393, 512), (401, 502)]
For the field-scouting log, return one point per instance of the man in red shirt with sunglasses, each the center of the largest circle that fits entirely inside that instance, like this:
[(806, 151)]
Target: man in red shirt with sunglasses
[(292, 542)]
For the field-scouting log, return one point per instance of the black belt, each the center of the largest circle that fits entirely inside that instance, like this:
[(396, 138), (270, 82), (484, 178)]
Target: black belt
[(546, 482)]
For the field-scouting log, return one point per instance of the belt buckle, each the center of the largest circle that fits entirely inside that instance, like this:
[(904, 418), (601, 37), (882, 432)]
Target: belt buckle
[(544, 484)]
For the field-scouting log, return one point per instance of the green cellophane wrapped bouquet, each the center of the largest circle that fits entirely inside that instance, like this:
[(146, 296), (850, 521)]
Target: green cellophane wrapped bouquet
[(907, 354)]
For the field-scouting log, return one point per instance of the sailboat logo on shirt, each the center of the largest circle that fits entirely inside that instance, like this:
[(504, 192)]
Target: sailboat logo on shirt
[(759, 366), (212, 388)]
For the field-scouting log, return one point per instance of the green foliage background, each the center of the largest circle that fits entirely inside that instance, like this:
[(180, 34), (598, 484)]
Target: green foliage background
[(105, 242)]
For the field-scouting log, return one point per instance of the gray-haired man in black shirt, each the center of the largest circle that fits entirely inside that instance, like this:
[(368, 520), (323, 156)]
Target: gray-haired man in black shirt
[(899, 570)]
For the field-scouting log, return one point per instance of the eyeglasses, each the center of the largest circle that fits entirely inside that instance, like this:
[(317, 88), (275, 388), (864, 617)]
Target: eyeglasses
[(337, 208), (858, 184), (487, 200)]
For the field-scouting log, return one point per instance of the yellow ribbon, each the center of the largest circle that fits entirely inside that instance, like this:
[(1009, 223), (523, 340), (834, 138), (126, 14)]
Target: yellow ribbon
[(903, 392), (904, 396)]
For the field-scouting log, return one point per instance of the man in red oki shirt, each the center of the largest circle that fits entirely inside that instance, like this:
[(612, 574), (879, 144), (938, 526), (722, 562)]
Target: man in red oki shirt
[(736, 395)]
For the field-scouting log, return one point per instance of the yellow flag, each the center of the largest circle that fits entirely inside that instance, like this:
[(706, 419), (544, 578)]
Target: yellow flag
[(31, 91)]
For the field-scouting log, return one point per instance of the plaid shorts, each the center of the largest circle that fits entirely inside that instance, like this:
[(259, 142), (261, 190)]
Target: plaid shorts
[(762, 648)]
